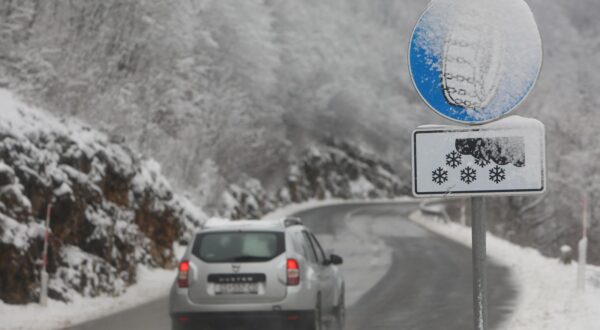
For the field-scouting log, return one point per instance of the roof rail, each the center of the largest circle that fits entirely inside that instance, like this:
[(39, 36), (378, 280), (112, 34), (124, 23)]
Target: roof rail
[(222, 223), (216, 222), (292, 221)]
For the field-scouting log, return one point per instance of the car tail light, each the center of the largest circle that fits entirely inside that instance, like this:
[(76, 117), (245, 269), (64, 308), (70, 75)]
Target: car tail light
[(184, 274), (293, 272)]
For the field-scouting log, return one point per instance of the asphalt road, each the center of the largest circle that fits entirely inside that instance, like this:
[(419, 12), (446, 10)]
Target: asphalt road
[(428, 285)]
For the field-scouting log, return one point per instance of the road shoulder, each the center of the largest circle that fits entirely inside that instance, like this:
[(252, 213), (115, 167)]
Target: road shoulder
[(547, 289)]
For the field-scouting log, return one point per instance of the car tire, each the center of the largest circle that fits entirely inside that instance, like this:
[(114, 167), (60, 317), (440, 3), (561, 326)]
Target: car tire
[(340, 314), (176, 326), (317, 320)]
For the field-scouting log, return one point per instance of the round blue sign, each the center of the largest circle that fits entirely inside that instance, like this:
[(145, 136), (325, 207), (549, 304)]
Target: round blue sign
[(475, 61)]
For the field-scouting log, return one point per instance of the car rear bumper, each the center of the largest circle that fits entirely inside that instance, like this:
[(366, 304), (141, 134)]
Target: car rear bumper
[(275, 320), (297, 298)]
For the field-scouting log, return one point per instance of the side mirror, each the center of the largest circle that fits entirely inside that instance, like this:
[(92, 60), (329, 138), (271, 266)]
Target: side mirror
[(184, 240), (336, 260)]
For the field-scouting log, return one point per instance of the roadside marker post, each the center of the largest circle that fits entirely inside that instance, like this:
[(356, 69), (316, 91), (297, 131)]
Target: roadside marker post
[(582, 247), (474, 62), (44, 272)]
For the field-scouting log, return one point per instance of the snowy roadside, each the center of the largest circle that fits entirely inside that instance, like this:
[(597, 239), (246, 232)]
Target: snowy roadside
[(548, 299), (314, 203), (155, 283), (106, 195), (152, 284)]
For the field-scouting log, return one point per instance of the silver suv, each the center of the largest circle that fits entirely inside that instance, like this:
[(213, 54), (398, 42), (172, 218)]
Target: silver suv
[(257, 275)]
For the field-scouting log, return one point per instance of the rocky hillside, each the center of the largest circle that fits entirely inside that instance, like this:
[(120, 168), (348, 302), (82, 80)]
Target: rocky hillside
[(333, 170), (112, 210)]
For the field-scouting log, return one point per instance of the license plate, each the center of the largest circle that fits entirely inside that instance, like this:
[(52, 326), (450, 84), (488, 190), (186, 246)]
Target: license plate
[(236, 288)]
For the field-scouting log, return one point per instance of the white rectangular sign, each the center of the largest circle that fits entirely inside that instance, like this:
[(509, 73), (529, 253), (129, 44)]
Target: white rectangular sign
[(503, 158)]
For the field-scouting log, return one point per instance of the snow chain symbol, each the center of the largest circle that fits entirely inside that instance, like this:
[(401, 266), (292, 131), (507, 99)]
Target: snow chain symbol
[(471, 66)]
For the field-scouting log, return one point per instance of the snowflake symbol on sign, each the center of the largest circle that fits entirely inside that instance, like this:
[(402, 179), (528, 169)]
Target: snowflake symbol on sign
[(481, 162), (453, 159), (497, 174), (440, 175), (468, 175)]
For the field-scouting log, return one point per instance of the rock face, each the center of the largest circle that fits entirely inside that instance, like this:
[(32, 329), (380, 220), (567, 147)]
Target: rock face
[(111, 210), (333, 170)]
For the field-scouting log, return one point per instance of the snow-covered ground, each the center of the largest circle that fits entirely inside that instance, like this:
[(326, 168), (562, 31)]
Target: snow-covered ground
[(35, 144), (313, 203), (548, 298), (152, 284), (155, 283)]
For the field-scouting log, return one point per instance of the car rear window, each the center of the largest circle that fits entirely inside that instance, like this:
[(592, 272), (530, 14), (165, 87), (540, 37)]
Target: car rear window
[(238, 246)]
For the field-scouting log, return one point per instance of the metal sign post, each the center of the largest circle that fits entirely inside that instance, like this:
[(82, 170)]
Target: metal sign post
[(463, 56), (478, 232)]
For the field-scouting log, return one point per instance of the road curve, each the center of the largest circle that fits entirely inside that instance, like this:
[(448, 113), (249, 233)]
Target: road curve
[(428, 285)]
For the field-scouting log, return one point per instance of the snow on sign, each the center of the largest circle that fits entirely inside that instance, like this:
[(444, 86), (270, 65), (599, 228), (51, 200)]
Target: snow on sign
[(473, 61), (506, 157)]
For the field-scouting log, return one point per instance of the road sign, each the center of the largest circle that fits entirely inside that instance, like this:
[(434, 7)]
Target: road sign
[(506, 157), (474, 61)]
